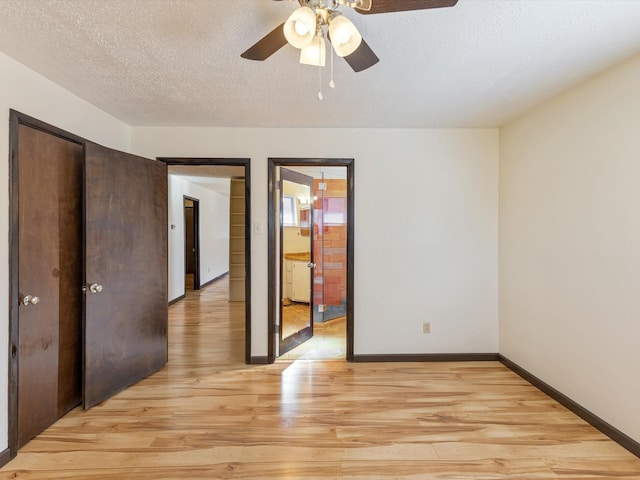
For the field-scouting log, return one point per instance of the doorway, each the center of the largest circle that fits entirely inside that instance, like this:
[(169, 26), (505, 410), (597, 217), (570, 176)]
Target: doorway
[(191, 243), (235, 174), (299, 223)]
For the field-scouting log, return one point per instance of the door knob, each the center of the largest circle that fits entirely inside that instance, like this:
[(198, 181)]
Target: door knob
[(93, 288), (29, 300), (311, 265)]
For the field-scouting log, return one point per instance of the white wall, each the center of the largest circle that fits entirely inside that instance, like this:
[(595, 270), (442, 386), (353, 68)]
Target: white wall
[(214, 233), (570, 244), (426, 226), (27, 92)]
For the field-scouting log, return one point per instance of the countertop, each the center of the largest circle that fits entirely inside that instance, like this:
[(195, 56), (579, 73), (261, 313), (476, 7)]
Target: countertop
[(298, 257)]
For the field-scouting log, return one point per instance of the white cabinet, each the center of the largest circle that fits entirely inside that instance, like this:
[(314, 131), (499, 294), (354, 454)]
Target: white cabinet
[(297, 277)]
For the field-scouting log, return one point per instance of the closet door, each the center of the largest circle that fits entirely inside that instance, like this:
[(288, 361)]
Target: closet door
[(125, 277), (50, 274)]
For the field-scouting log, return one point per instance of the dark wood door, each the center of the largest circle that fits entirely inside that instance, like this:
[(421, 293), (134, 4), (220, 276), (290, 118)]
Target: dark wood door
[(50, 279), (125, 307), (189, 251), (192, 241), (296, 318)]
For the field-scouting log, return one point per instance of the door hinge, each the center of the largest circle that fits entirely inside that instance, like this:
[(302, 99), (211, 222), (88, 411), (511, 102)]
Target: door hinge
[(278, 184)]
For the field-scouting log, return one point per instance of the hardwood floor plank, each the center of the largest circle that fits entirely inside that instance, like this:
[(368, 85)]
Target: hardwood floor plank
[(289, 470), (207, 415), (486, 469)]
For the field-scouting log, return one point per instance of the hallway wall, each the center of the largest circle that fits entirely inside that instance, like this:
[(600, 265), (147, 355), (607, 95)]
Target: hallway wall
[(214, 233)]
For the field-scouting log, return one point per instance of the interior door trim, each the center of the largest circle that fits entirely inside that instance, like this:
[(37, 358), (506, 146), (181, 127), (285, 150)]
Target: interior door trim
[(15, 120), (272, 225), (238, 162)]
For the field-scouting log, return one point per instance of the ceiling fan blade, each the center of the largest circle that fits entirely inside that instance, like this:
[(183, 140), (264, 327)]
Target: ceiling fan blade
[(269, 45), (388, 6), (362, 58)]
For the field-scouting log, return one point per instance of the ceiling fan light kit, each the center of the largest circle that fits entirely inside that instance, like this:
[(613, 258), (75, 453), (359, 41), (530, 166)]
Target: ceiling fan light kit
[(304, 29)]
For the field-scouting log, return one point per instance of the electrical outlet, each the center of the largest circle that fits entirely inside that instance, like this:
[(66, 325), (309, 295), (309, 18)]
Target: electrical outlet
[(426, 327), (321, 308)]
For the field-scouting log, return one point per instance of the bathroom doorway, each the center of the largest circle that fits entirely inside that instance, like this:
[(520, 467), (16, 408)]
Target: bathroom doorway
[(311, 259)]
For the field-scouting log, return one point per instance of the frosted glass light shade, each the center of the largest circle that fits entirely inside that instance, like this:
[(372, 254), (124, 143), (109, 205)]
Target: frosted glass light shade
[(344, 36), (315, 53), (300, 27)]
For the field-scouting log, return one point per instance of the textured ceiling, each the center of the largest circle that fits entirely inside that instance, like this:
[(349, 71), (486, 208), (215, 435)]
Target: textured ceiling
[(177, 62)]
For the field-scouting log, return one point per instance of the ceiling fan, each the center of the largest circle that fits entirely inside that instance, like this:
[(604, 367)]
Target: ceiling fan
[(304, 29)]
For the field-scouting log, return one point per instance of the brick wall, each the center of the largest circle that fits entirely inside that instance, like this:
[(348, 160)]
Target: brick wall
[(330, 243)]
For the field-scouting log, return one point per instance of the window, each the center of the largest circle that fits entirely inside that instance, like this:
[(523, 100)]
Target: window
[(289, 211)]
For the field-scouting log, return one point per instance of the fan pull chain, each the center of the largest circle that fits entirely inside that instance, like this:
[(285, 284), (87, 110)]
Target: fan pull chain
[(332, 84), (320, 96)]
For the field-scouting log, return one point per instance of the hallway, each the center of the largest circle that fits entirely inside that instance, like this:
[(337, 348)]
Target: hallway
[(207, 415)]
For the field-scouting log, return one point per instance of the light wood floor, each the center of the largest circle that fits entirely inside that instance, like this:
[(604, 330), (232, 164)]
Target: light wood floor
[(329, 342), (207, 415), (295, 317)]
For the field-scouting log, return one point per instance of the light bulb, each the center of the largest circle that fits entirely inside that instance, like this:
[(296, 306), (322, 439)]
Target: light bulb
[(341, 35), (301, 28)]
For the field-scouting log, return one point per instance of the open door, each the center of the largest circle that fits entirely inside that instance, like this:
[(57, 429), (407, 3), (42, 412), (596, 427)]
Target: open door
[(296, 254), (125, 277)]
